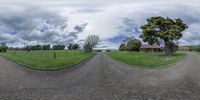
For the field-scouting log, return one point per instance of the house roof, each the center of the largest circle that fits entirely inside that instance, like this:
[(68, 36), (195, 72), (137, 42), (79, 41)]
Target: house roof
[(146, 46)]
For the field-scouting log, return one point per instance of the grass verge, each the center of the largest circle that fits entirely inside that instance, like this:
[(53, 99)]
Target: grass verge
[(146, 60), (44, 60), (197, 53)]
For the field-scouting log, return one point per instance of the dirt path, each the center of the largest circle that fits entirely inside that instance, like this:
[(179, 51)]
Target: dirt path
[(102, 78)]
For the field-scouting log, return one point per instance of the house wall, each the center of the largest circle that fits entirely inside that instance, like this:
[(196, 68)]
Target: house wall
[(183, 49), (150, 50)]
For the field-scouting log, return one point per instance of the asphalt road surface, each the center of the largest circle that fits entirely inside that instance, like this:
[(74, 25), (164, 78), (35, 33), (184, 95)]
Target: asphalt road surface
[(102, 78)]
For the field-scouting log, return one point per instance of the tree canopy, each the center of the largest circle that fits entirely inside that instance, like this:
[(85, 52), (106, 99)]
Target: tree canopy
[(134, 45), (90, 42), (70, 46), (73, 46), (3, 47), (131, 44), (163, 29), (122, 47), (58, 47)]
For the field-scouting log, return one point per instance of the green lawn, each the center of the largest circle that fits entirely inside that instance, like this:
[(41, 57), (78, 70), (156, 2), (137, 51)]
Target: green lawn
[(45, 59), (198, 53), (146, 60), (195, 52)]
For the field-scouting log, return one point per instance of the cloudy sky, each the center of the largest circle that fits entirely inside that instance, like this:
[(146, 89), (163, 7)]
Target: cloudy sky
[(71, 21)]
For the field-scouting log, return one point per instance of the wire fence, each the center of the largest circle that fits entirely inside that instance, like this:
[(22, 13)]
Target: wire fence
[(47, 54)]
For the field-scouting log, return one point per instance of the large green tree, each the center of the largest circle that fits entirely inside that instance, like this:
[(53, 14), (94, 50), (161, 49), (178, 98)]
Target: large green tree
[(133, 45), (163, 29), (122, 47)]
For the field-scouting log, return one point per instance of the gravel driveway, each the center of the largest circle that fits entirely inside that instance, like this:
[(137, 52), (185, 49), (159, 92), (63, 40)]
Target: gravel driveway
[(102, 78)]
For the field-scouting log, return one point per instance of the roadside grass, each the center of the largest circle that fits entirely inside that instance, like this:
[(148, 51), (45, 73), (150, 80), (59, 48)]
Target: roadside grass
[(146, 60), (196, 52), (45, 59)]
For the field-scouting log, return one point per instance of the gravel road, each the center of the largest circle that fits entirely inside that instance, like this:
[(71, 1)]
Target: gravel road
[(102, 78)]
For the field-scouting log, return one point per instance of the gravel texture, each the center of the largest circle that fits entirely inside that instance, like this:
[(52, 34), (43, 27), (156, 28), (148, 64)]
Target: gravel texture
[(102, 78)]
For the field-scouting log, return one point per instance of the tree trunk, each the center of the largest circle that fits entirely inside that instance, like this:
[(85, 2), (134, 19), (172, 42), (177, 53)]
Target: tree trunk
[(168, 49)]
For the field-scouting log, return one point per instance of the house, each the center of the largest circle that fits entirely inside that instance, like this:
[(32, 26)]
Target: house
[(150, 48), (183, 48)]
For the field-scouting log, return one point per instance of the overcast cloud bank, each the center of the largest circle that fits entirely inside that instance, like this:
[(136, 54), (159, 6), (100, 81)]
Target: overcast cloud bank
[(62, 22)]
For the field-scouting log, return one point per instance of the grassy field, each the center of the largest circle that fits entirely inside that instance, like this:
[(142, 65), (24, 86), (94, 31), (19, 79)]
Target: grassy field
[(198, 53), (45, 59), (146, 60)]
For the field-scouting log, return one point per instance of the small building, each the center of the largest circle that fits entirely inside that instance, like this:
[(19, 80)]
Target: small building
[(183, 48), (150, 48)]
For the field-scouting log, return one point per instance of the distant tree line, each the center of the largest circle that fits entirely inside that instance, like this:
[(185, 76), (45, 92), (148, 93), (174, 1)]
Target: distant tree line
[(73, 46), (90, 43), (58, 47), (4, 47), (54, 47), (40, 47), (194, 48)]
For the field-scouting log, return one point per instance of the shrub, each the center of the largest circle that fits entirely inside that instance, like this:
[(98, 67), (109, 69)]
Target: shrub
[(108, 50)]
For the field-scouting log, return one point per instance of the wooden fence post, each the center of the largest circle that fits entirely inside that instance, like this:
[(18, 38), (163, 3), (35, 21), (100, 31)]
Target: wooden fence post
[(54, 55)]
